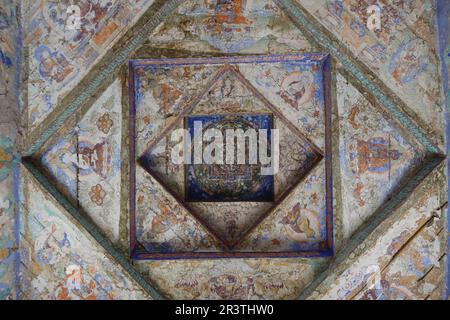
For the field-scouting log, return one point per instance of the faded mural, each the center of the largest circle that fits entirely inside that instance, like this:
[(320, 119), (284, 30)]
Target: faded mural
[(10, 65), (61, 56), (87, 161), (356, 211), (60, 260), (403, 53), (224, 91)]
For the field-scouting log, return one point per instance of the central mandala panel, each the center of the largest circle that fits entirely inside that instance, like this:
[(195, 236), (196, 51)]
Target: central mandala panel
[(236, 181), (232, 157)]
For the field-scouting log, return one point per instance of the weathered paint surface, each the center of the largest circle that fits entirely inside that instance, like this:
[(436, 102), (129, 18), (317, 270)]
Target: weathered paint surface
[(256, 26), (87, 162), (235, 279), (443, 20), (290, 89), (59, 55), (162, 225), (374, 156), (403, 53), (8, 212), (60, 260), (375, 152), (404, 261), (417, 271), (9, 138)]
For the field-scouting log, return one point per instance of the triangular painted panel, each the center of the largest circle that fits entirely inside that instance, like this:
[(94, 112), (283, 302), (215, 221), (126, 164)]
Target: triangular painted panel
[(402, 53), (163, 225), (375, 155), (86, 163), (61, 260), (298, 223), (60, 162), (60, 56), (160, 97)]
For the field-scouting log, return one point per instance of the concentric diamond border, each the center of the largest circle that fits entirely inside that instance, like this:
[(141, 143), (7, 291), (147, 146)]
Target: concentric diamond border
[(137, 251)]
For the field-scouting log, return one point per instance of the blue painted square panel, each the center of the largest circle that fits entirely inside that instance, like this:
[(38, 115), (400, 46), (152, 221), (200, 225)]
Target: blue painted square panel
[(230, 182)]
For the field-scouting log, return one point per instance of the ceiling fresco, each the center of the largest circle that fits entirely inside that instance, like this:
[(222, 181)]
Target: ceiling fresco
[(231, 205), (347, 200)]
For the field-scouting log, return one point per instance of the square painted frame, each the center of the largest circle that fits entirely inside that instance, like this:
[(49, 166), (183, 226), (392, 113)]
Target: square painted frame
[(137, 250)]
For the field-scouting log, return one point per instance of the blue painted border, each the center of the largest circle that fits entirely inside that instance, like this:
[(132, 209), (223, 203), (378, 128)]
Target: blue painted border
[(16, 166), (443, 25)]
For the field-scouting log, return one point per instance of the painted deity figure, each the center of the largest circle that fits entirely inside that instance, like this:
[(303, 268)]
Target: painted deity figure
[(52, 246), (376, 155), (408, 62), (229, 286), (53, 66), (96, 158), (230, 11)]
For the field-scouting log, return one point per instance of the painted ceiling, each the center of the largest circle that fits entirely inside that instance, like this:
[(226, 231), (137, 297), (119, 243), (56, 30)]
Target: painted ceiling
[(91, 207)]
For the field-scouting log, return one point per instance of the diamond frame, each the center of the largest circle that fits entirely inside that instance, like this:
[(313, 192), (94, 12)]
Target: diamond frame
[(137, 250)]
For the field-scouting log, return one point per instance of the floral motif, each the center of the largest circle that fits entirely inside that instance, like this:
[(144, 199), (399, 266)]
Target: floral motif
[(97, 194), (104, 123)]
